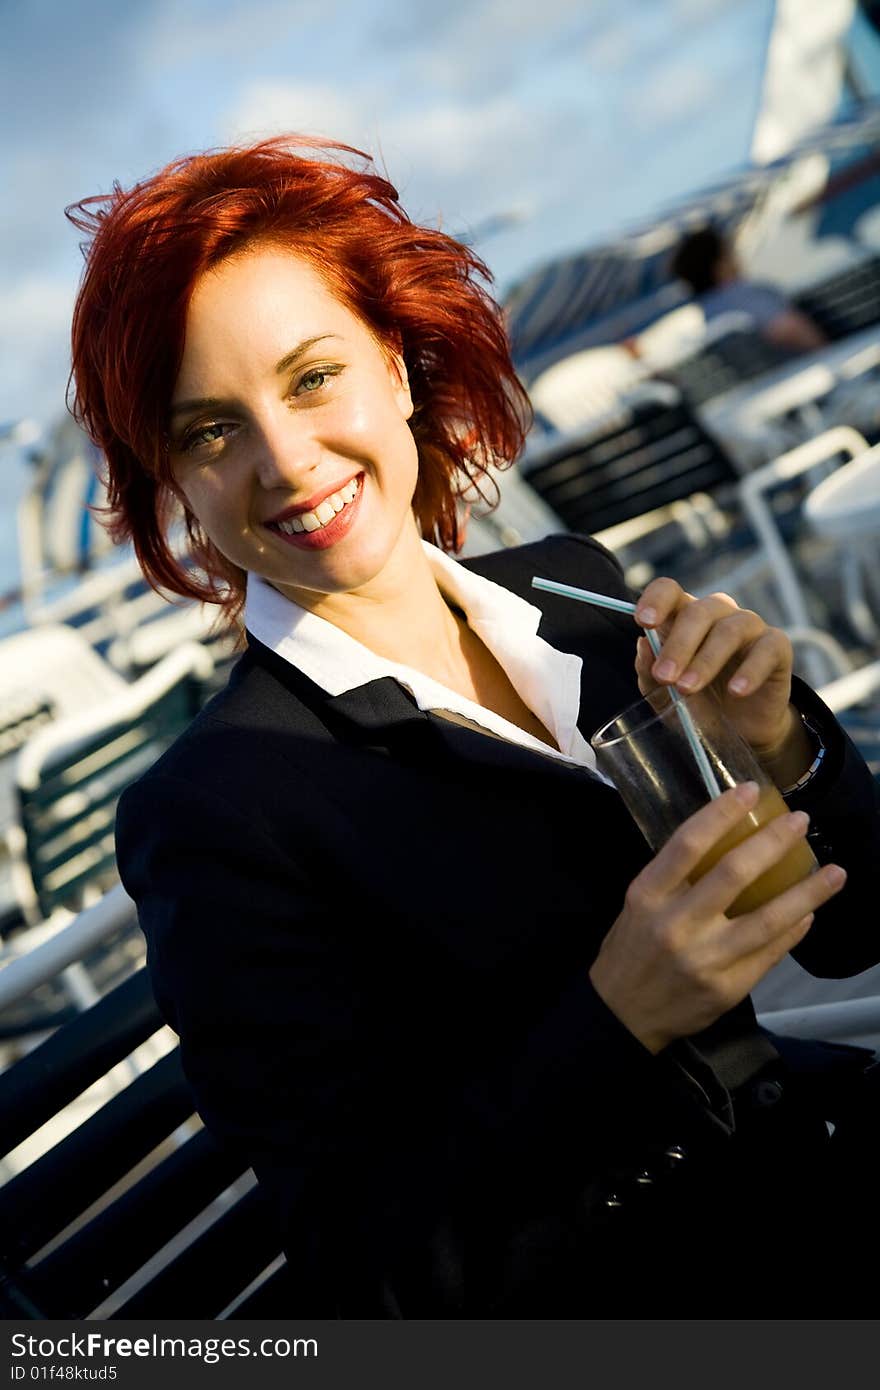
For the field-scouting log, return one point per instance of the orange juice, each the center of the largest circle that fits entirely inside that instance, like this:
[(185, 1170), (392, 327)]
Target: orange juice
[(795, 864)]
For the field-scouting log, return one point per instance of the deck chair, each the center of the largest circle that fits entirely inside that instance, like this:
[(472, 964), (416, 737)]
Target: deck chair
[(137, 651), (106, 603), (652, 453), (136, 1212), (521, 515), (69, 778), (801, 605), (723, 362), (56, 665), (71, 774), (682, 333), (585, 386), (846, 302), (46, 675), (665, 498)]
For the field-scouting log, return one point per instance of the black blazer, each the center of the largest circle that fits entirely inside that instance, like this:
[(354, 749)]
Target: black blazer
[(372, 927)]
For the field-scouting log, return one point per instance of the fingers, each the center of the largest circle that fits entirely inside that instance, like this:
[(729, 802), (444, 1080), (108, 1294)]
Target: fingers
[(644, 663), (704, 641), (769, 932), (746, 853), (704, 637), (770, 653), (660, 599), (673, 866)]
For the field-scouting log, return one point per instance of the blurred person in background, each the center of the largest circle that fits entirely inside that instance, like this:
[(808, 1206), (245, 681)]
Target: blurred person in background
[(708, 264)]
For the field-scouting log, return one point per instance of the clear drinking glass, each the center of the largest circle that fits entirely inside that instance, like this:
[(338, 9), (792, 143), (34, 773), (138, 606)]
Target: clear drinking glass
[(646, 754)]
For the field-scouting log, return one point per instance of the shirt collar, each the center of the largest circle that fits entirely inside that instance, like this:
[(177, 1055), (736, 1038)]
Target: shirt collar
[(547, 680)]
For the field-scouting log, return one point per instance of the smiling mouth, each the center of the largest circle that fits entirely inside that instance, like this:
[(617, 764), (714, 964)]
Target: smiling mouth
[(324, 513)]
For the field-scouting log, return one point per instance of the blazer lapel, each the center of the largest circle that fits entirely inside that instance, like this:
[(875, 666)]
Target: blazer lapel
[(370, 708), (383, 714), (469, 740), (376, 707)]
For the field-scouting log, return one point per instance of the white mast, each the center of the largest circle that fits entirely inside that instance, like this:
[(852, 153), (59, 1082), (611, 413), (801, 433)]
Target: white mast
[(803, 75)]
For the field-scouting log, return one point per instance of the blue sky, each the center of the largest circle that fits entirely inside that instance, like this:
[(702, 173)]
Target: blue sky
[(577, 116)]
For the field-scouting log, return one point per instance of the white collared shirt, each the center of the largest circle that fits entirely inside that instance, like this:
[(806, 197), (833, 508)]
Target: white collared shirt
[(546, 680)]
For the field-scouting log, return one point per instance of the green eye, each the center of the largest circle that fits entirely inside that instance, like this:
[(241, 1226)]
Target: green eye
[(313, 381), (205, 434)]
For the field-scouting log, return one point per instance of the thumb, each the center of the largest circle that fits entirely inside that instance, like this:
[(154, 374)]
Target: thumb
[(644, 662)]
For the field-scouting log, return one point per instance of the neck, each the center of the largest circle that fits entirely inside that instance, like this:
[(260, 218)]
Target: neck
[(400, 614)]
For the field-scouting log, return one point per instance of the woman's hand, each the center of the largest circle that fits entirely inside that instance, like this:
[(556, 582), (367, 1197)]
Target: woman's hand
[(712, 640), (673, 963)]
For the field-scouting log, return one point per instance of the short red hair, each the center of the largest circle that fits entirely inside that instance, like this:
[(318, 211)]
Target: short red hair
[(415, 288)]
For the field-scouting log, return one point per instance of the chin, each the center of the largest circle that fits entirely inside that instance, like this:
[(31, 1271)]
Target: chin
[(332, 572)]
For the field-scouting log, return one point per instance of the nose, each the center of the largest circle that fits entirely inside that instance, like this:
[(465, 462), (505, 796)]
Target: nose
[(287, 453)]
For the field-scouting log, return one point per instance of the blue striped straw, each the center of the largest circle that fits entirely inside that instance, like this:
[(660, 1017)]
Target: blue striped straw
[(619, 605)]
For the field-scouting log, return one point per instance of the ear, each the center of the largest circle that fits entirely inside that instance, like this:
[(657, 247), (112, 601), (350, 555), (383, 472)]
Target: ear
[(392, 350), (399, 377)]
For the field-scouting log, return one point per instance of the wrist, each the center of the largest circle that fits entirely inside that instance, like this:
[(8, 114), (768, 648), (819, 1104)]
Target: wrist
[(818, 749), (791, 755), (653, 1040)]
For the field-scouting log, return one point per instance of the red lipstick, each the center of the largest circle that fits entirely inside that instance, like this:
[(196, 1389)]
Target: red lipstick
[(312, 502)]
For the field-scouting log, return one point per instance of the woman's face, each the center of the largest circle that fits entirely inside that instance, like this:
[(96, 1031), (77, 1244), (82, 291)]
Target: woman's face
[(288, 429)]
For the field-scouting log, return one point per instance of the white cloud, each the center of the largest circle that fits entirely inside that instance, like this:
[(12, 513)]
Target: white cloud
[(314, 108), (200, 31), (671, 93), (691, 11), (474, 48), (438, 147), (483, 27), (610, 49), (453, 140)]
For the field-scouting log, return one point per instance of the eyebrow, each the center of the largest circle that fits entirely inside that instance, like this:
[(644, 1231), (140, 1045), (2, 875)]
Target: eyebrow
[(300, 351), (286, 362)]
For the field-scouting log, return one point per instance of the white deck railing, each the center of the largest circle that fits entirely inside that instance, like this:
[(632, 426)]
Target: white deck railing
[(49, 957)]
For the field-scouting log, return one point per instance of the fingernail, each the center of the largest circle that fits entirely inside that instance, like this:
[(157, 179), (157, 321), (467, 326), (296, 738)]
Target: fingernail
[(689, 680), (747, 793), (646, 615), (665, 671), (798, 820), (835, 875), (738, 684)]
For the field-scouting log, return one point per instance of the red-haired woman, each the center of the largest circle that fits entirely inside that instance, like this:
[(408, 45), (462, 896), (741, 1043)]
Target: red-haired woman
[(425, 974)]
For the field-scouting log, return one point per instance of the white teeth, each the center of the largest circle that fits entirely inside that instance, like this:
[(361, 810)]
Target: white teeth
[(324, 513)]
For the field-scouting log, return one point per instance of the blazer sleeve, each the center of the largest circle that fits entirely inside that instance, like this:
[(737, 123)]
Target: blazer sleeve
[(843, 802), (393, 1200)]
